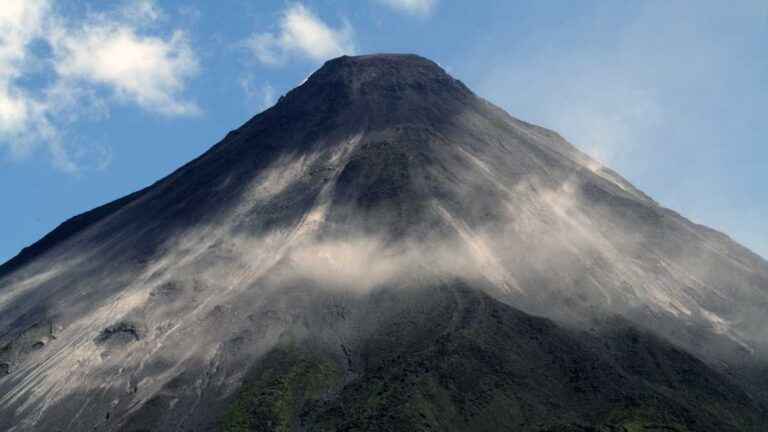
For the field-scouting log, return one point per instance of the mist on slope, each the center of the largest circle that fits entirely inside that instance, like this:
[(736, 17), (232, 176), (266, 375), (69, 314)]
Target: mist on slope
[(218, 295)]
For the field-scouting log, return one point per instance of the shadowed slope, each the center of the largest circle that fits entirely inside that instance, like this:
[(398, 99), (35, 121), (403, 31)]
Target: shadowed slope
[(472, 363)]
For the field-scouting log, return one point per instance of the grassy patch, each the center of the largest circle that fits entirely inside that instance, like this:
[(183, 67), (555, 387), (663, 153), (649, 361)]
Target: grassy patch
[(276, 391)]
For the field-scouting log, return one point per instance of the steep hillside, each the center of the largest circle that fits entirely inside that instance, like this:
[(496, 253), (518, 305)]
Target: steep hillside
[(383, 249)]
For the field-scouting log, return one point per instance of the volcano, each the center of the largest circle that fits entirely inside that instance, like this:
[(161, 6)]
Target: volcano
[(383, 250)]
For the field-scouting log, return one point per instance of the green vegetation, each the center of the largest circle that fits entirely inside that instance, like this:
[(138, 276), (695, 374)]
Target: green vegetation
[(642, 420), (470, 363), (275, 392)]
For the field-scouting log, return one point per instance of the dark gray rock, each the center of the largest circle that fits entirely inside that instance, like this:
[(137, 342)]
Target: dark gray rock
[(121, 333)]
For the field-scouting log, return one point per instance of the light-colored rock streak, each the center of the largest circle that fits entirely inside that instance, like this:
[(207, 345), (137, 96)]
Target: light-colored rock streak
[(73, 360), (481, 252)]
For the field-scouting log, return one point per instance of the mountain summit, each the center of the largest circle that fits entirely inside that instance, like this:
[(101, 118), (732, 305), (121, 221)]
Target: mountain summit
[(384, 250)]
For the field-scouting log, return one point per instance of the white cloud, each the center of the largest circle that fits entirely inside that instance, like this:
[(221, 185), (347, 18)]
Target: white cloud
[(87, 64), (20, 23), (148, 71), (142, 11), (267, 96), (259, 97), (413, 7), (301, 34)]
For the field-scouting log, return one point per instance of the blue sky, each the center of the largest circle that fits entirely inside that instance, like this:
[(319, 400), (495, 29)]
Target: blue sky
[(98, 99)]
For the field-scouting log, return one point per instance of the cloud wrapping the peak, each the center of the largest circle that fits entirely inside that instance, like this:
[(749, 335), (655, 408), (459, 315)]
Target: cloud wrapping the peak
[(85, 64), (301, 34), (413, 7)]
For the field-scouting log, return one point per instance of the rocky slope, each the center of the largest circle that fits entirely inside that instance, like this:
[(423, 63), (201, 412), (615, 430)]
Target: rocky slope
[(384, 250)]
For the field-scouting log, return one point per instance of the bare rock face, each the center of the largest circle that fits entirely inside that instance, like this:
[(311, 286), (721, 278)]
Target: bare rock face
[(121, 333), (384, 250)]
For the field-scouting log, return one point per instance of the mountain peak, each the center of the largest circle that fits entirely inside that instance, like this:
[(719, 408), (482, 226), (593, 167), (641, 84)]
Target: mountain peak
[(391, 73), (402, 66), (378, 89)]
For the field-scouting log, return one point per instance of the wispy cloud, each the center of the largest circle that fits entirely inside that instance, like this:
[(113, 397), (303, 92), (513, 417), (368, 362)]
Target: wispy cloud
[(412, 7), (259, 97), (594, 102), (90, 62), (644, 92), (301, 34), (267, 96), (615, 90), (149, 71), (142, 11), (20, 23)]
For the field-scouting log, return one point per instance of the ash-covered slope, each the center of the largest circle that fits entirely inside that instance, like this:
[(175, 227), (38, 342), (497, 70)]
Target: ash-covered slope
[(345, 257)]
